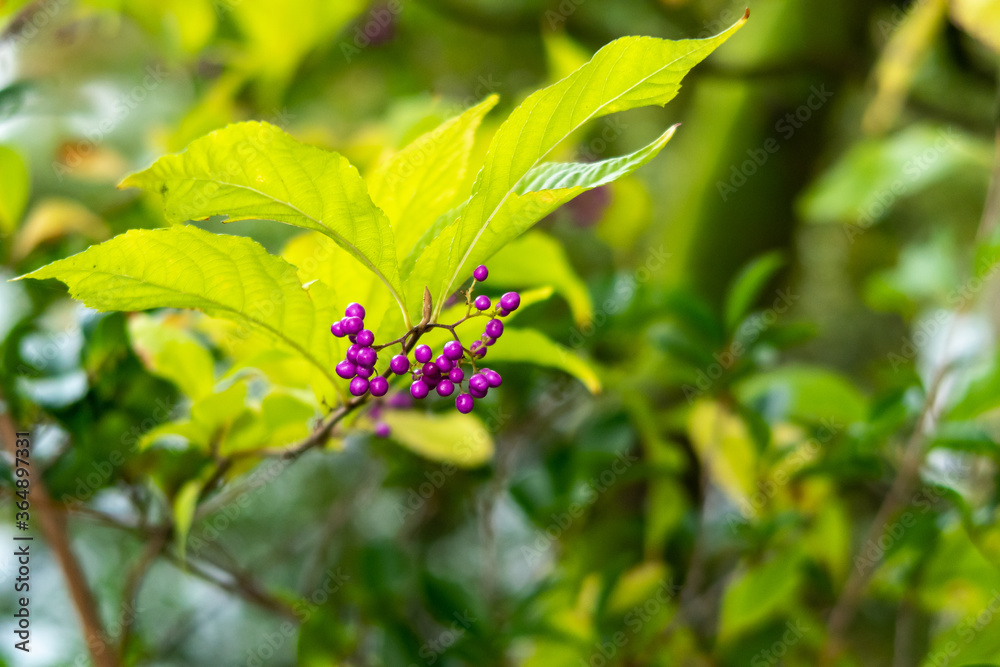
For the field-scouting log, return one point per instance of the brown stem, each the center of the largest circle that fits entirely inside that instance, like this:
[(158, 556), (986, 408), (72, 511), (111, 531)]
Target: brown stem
[(895, 499), (52, 521)]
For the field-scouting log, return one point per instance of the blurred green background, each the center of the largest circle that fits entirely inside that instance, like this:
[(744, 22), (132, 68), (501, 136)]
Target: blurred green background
[(792, 311)]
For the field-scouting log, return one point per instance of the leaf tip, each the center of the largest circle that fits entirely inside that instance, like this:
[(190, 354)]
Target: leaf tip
[(746, 15)]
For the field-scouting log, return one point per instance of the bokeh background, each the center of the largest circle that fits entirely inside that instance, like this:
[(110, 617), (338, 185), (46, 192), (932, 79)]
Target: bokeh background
[(792, 313)]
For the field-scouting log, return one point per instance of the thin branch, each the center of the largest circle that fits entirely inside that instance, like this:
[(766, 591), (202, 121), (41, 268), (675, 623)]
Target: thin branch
[(52, 521)]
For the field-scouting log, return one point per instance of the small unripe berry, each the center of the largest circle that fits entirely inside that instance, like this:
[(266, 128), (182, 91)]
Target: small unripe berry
[(423, 354), (478, 349), (419, 389), (378, 386), (352, 325), (494, 328), (399, 364), (337, 329), (489, 342), (352, 353), (493, 378), (481, 273), (382, 429), (359, 386), (503, 312), (456, 374), (367, 357), (355, 310), (464, 403), (479, 382), (478, 393), (365, 338), (510, 301), (365, 371), (444, 363), (445, 388), (453, 350), (482, 302), (346, 370)]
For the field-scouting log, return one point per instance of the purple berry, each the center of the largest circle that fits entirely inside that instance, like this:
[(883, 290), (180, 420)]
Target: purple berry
[(355, 310), (431, 380), (443, 363), (503, 312), (365, 371), (359, 386), (478, 349), (419, 389), (399, 364), (445, 388), (378, 386), (346, 370), (494, 328), (352, 353), (480, 274), (365, 338), (352, 325), (489, 342), (510, 301), (382, 429), (479, 382), (337, 329), (367, 357), (430, 369), (477, 393), (456, 374), (399, 401), (423, 354), (464, 403), (482, 302), (492, 377), (453, 350)]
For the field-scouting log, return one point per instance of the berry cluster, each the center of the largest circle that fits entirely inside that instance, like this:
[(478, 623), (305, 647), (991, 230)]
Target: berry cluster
[(445, 373)]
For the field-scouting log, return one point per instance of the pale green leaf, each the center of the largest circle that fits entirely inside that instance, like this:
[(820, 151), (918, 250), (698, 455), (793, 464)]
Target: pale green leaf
[(724, 444), (533, 347), (224, 276), (980, 18), (256, 171), (174, 354), (514, 190), (14, 187), (55, 218), (450, 437), (806, 393), (862, 186), (420, 183), (184, 506), (538, 259)]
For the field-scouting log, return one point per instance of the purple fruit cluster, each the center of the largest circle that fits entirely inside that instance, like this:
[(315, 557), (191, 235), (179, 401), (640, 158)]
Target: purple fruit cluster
[(444, 373), (359, 364)]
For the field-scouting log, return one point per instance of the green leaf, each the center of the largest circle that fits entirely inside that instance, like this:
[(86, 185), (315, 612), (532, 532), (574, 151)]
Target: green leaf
[(224, 276), (808, 393), (538, 259), (184, 506), (724, 443), (514, 189), (256, 171), (420, 183), (862, 186), (748, 284), (760, 593), (532, 347), (174, 354), (14, 187), (452, 437)]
